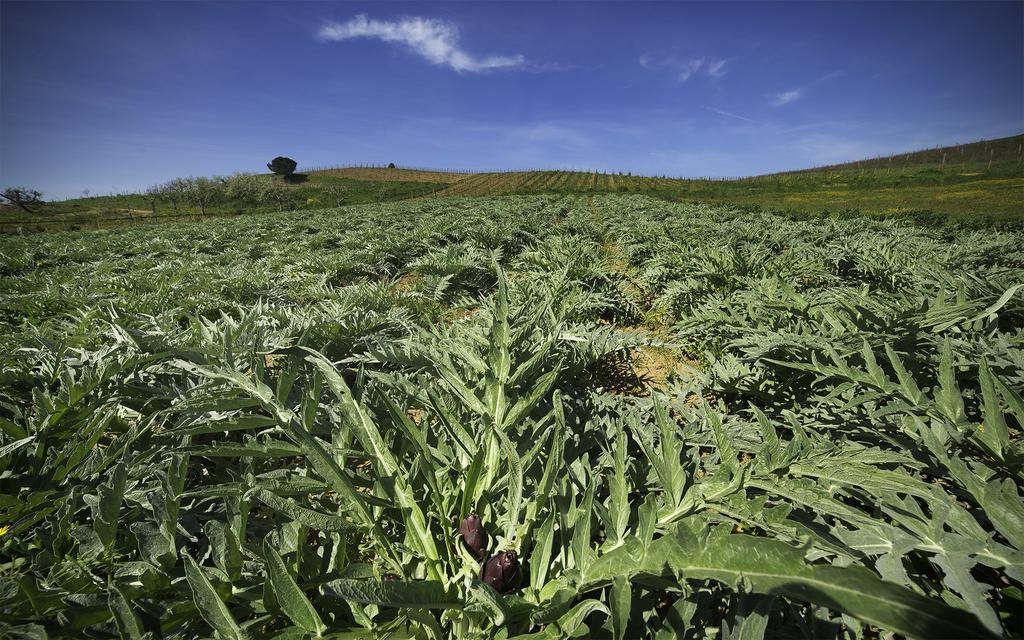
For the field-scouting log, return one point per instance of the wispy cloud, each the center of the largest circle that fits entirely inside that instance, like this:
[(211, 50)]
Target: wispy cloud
[(786, 97), (435, 40), (716, 68), (685, 68), (730, 115)]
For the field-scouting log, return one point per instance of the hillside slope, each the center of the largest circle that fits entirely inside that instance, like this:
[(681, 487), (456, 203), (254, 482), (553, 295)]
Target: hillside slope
[(528, 182), (382, 174), (981, 180), (983, 152)]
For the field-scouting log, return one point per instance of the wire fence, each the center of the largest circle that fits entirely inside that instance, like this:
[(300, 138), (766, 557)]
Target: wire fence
[(524, 170)]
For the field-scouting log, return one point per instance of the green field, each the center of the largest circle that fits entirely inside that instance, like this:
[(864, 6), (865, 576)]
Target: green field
[(685, 421), (980, 183), (314, 192)]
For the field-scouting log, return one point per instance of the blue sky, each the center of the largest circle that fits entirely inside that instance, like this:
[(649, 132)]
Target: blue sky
[(119, 96)]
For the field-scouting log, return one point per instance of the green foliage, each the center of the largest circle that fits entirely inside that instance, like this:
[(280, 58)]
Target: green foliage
[(231, 195), (278, 433), (978, 183), (282, 165)]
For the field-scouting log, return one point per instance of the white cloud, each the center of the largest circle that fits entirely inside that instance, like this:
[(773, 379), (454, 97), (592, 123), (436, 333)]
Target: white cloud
[(435, 40), (793, 95), (715, 68), (787, 96), (685, 69)]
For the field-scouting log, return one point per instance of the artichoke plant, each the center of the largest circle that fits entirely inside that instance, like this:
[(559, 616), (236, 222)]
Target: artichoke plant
[(474, 535), (502, 572), (806, 428)]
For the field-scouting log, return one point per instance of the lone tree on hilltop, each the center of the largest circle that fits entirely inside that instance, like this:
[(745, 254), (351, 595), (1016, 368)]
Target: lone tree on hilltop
[(391, 165), (22, 197), (282, 166)]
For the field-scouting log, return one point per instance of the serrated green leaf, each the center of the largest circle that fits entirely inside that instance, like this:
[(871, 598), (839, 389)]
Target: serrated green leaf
[(210, 606), (773, 567), (420, 594), (290, 597)]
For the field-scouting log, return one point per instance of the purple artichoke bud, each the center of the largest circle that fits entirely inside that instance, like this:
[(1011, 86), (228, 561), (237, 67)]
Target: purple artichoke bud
[(474, 535), (502, 571)]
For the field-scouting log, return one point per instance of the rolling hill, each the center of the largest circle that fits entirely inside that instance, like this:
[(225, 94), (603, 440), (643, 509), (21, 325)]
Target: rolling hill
[(978, 181), (997, 150)]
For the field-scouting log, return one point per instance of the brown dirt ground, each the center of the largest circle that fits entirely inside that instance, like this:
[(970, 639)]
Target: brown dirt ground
[(407, 281)]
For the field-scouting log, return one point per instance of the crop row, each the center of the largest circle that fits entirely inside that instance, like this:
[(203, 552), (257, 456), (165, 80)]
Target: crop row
[(397, 420)]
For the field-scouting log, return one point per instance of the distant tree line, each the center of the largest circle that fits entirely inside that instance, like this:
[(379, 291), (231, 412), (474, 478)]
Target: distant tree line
[(236, 193), (22, 197), (241, 190)]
